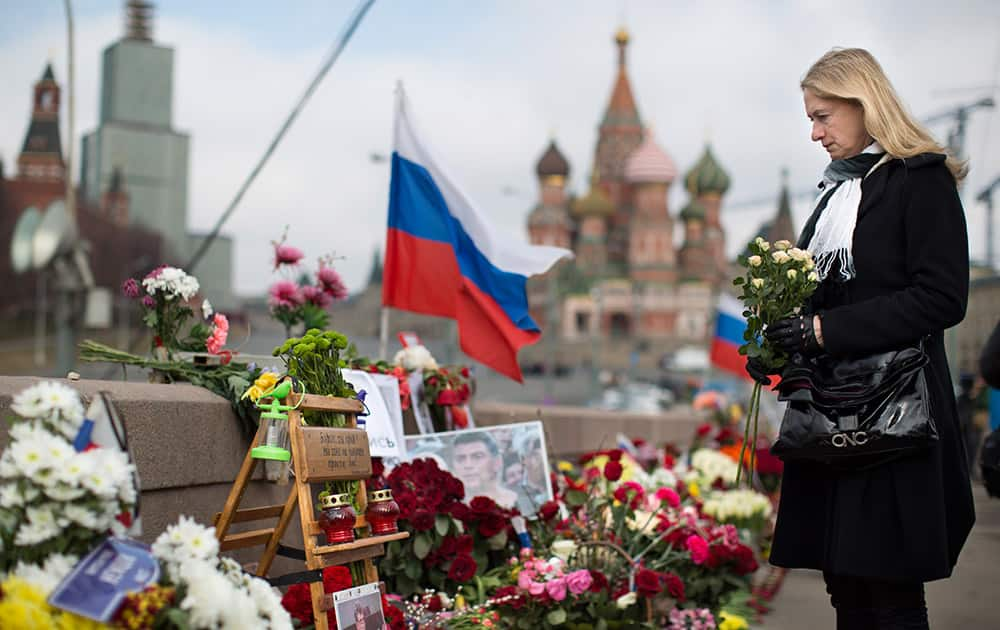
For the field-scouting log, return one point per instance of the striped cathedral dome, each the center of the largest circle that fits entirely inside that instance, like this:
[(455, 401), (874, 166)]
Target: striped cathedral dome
[(650, 164)]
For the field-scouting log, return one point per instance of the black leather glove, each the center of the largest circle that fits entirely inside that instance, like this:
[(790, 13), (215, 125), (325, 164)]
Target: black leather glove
[(794, 335), (758, 372)]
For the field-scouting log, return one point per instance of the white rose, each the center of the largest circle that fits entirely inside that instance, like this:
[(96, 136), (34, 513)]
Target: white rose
[(757, 283), (782, 244), (791, 274), (798, 254), (809, 264), (626, 600), (755, 261), (813, 277), (780, 257), (563, 549)]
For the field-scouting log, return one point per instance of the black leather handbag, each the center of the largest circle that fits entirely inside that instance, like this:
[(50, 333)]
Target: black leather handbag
[(858, 412)]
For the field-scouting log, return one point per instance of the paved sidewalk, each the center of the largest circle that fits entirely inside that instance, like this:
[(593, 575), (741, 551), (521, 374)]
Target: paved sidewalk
[(970, 599)]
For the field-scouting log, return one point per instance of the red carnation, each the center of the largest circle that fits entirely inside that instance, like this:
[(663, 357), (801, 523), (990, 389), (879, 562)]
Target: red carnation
[(704, 430), (548, 510), (615, 454), (483, 505), (599, 582), (510, 596), (613, 471), (668, 461), (298, 602), (648, 583), (422, 520), (462, 568), (674, 586), (378, 468), (464, 372), (629, 492)]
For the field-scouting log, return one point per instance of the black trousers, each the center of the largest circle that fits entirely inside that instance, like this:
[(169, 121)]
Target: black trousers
[(870, 604)]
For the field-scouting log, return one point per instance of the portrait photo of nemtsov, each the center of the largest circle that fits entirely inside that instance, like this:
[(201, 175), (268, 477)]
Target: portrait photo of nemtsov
[(507, 463)]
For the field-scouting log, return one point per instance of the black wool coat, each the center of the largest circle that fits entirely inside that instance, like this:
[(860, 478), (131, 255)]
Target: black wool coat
[(906, 519)]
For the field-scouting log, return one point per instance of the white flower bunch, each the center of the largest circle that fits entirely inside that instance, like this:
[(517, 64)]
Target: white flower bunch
[(56, 405), (47, 575), (737, 506), (172, 283), (708, 465), (217, 593), (415, 358), (52, 498)]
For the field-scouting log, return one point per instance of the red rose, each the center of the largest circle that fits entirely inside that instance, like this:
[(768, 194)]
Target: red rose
[(492, 524), (509, 596), (612, 471), (638, 442), (378, 468), (674, 586), (462, 568), (393, 615), (433, 602), (629, 492), (599, 582), (483, 505), (462, 512), (422, 520), (648, 583), (464, 372), (704, 430), (407, 502), (668, 461), (548, 510), (336, 579), (615, 454)]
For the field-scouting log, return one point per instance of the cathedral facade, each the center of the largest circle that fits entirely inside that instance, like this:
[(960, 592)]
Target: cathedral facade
[(630, 278)]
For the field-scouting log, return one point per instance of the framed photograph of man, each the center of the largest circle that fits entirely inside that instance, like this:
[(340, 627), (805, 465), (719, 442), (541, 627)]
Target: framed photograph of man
[(507, 463), (359, 608)]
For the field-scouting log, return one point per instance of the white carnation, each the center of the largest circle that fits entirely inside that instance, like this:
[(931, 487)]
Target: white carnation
[(415, 358)]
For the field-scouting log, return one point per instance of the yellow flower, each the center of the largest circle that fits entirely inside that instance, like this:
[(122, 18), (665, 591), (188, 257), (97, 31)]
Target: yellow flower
[(24, 606), (729, 621), (254, 393), (564, 466), (266, 380), (693, 489)]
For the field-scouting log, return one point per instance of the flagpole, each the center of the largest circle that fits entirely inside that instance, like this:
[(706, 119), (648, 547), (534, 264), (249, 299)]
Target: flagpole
[(383, 334)]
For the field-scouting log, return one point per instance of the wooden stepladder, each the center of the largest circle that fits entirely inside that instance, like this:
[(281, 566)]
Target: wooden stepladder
[(319, 454)]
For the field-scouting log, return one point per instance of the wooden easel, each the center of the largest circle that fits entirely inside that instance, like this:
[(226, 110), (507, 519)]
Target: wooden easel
[(319, 454)]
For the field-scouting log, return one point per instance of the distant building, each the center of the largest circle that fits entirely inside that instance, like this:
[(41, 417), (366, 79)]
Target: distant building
[(135, 137), (629, 278), (40, 180)]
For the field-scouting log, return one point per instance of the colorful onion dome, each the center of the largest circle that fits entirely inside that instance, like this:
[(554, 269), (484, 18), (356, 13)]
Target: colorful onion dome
[(595, 202), (649, 163), (707, 176), (694, 210), (552, 162)]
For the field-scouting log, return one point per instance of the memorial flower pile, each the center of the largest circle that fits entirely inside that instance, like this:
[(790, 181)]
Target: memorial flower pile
[(451, 542), (55, 499), (776, 284)]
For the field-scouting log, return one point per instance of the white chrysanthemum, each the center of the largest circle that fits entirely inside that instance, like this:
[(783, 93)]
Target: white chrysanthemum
[(10, 496), (206, 309), (46, 577), (40, 526), (79, 466), (63, 492), (83, 516), (269, 604), (714, 465), (172, 283), (29, 456), (183, 541), (209, 593), (415, 358)]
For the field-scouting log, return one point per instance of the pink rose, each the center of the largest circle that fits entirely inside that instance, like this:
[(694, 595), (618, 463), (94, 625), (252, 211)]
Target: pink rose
[(524, 579), (669, 495), (579, 581), (556, 589), (698, 548), (537, 588)]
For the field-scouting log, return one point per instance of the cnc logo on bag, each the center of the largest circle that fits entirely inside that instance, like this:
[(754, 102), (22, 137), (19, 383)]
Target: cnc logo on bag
[(854, 438)]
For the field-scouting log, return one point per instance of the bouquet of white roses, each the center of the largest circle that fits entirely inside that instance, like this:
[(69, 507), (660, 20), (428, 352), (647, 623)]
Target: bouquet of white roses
[(777, 282), (54, 499)]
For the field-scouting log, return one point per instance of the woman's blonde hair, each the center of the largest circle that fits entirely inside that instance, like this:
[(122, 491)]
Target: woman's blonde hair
[(854, 75)]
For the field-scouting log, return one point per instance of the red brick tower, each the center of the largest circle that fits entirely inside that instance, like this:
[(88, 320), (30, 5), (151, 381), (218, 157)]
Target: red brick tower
[(651, 255), (41, 155), (619, 134), (549, 222)]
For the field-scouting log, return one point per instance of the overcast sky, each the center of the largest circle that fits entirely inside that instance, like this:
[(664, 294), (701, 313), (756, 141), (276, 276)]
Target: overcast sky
[(490, 82)]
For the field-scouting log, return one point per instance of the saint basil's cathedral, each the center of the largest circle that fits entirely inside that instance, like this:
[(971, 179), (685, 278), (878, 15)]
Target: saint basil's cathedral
[(629, 279)]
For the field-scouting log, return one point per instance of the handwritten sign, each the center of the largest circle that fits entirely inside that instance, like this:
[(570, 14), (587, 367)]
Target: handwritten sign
[(333, 454)]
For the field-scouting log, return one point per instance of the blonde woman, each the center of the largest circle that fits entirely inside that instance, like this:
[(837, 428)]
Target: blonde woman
[(890, 241)]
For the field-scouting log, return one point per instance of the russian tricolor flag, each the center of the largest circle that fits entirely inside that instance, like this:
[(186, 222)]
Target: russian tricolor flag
[(444, 258), (728, 338)]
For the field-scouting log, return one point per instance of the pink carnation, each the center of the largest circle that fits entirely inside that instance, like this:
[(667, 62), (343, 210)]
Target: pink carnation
[(286, 255), (331, 282), (219, 334), (669, 495), (221, 322), (698, 548), (316, 295), (284, 294)]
